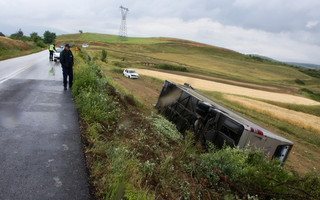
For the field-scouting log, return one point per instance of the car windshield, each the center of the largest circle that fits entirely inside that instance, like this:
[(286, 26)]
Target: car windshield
[(131, 71), (59, 50)]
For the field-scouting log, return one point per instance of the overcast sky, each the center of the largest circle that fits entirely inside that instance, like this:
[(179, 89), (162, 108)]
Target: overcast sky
[(287, 30)]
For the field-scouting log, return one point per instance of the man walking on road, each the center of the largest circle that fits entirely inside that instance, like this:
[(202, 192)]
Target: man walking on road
[(51, 50), (66, 60)]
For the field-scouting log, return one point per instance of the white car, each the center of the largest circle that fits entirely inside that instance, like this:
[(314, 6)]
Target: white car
[(130, 73), (56, 54)]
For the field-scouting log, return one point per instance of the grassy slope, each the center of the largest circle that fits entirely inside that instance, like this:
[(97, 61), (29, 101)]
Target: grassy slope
[(89, 37), (131, 156), (180, 52), (198, 58), (10, 48)]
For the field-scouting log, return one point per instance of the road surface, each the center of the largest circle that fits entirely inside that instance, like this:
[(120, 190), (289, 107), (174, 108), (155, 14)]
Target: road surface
[(41, 155)]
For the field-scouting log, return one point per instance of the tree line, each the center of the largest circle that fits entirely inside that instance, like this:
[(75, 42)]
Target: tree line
[(48, 37)]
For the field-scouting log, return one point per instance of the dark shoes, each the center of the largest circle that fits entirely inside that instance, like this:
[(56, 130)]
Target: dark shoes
[(65, 88)]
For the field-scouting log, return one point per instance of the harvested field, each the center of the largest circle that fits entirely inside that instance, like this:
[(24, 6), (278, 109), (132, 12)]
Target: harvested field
[(229, 89), (293, 117)]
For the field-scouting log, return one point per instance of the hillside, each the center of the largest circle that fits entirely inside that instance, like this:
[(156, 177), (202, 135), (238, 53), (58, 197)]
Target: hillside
[(281, 98), (198, 59), (277, 86), (10, 48)]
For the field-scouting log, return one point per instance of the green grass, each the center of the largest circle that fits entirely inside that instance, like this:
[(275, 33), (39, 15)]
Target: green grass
[(196, 58), (311, 72), (226, 64), (170, 67), (105, 38), (311, 94)]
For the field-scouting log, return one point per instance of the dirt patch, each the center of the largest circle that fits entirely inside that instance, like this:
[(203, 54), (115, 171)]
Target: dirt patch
[(229, 89)]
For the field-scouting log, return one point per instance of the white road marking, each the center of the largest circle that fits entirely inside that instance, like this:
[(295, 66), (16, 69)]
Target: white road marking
[(32, 58), (13, 74)]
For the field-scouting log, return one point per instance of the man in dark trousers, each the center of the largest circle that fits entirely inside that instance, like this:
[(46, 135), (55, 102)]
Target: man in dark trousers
[(52, 48), (66, 60)]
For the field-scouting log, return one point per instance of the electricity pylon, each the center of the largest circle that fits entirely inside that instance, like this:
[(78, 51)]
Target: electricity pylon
[(123, 26)]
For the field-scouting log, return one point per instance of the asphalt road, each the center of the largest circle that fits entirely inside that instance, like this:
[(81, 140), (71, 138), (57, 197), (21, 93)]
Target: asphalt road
[(41, 155)]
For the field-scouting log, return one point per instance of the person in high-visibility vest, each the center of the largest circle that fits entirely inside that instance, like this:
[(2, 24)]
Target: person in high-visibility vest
[(52, 48)]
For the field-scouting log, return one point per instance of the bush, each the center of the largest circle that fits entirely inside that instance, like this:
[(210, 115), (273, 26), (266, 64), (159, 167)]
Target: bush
[(120, 64), (247, 172), (300, 82), (103, 55), (311, 72), (311, 94), (41, 44), (171, 67)]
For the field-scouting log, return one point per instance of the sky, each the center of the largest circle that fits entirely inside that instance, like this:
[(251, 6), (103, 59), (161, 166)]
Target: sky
[(286, 30)]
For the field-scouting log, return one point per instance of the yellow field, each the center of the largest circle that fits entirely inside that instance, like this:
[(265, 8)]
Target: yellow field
[(294, 117), (229, 89)]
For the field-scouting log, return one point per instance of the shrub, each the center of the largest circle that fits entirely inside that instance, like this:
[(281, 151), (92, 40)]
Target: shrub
[(311, 94), (166, 129), (120, 64), (300, 82), (311, 72), (103, 55), (171, 67), (40, 43), (250, 172)]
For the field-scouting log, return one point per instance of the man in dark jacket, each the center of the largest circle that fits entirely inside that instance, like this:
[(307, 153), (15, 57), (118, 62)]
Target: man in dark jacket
[(66, 60)]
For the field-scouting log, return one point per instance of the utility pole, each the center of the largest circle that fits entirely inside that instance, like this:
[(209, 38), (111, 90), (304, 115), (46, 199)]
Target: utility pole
[(123, 26)]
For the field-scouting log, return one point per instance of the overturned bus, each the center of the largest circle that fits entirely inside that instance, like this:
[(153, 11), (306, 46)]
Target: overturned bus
[(211, 122)]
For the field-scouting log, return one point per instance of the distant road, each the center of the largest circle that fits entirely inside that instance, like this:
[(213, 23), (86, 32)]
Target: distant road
[(41, 155)]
